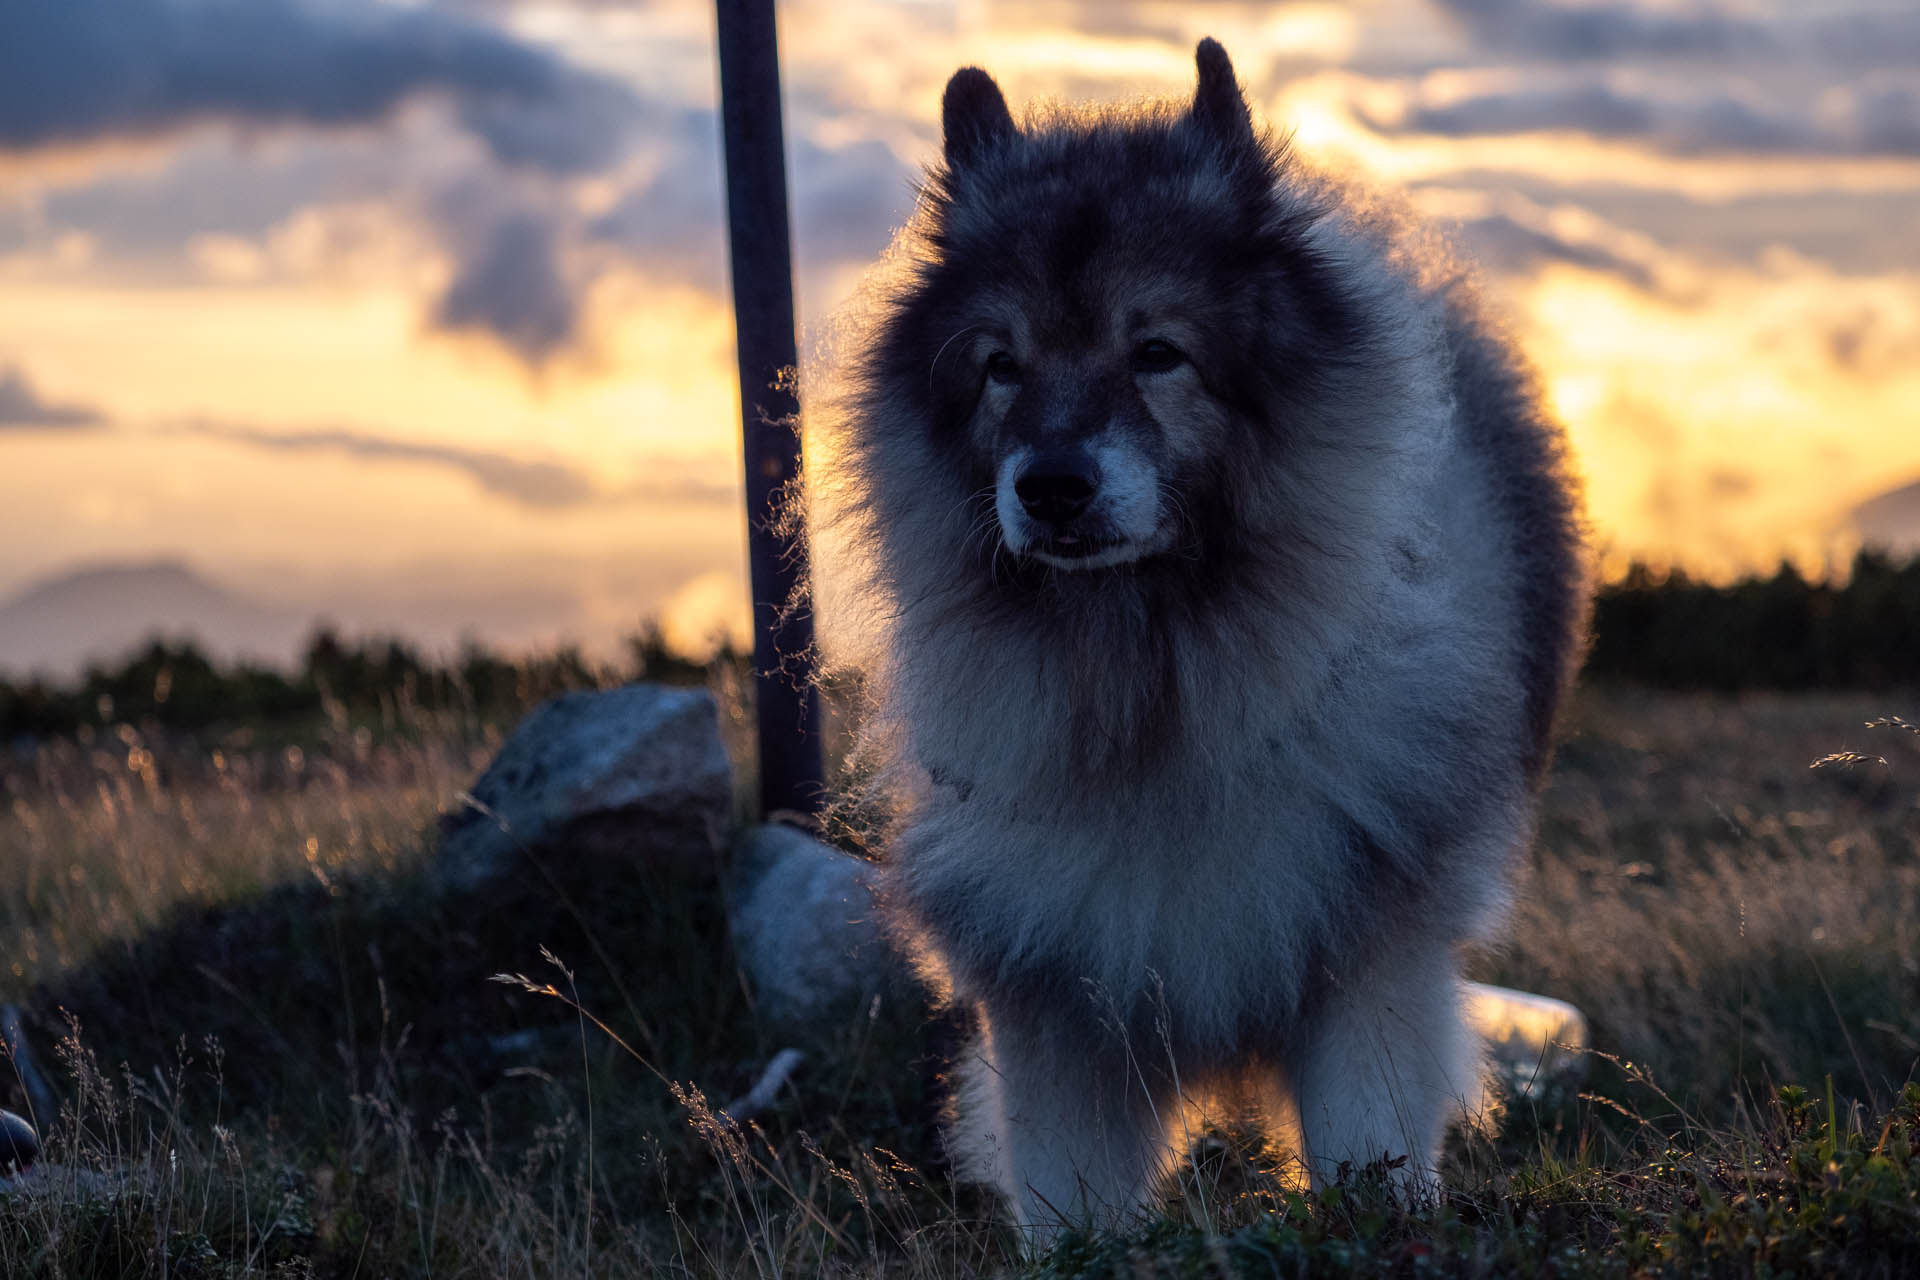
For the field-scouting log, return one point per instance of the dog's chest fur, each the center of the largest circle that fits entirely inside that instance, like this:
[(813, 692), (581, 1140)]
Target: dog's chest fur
[(1257, 856), (1217, 905)]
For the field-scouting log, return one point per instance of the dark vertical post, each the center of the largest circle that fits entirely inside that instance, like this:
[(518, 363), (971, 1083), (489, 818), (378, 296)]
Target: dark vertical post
[(790, 763)]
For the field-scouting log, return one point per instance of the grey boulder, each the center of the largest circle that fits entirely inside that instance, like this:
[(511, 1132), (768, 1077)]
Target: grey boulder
[(805, 928), (627, 775)]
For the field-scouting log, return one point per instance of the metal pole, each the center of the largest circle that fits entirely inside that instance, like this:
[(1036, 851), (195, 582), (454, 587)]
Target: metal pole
[(791, 771)]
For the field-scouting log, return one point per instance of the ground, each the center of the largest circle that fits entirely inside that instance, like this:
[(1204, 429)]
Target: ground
[(277, 1048)]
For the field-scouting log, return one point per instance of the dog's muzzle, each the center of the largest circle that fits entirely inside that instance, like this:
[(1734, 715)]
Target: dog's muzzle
[(1056, 489)]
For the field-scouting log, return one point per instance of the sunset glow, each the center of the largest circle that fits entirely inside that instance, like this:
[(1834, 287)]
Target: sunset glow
[(475, 330)]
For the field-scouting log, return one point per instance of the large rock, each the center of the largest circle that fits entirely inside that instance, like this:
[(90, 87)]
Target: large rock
[(805, 927), (628, 774)]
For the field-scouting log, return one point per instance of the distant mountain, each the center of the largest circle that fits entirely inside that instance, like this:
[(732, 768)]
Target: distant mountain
[(1891, 521), (97, 612), (267, 614)]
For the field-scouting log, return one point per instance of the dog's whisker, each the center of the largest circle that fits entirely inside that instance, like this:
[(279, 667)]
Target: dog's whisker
[(933, 365)]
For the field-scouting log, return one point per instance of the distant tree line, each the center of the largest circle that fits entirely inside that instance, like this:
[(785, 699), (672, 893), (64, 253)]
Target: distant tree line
[(1779, 632), (1783, 632), (175, 685)]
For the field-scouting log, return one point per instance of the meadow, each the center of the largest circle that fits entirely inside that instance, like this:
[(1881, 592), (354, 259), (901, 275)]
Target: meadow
[(277, 1047)]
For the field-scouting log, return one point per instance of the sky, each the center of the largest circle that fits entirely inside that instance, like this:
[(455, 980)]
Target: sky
[(413, 306)]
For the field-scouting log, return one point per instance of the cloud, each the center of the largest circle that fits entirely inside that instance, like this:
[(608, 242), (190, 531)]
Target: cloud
[(577, 177), (846, 200), (1887, 119), (1728, 483), (22, 407), (582, 125), (1870, 338), (315, 204), (1520, 247), (86, 70), (1512, 234), (546, 485), (543, 485), (1606, 31), (510, 277), (1866, 233), (677, 218), (1173, 21), (1857, 37), (509, 6), (1872, 120), (1592, 109), (219, 185)]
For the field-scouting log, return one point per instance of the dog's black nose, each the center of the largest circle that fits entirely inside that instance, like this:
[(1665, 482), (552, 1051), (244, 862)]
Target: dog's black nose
[(1056, 487)]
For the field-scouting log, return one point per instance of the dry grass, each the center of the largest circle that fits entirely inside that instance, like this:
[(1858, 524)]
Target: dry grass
[(1726, 915), (288, 1061), (103, 840)]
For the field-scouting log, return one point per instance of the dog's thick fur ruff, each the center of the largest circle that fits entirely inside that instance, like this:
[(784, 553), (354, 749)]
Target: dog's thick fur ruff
[(1213, 813)]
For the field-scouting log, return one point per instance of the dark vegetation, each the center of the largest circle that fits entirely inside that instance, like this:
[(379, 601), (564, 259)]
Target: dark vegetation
[(1780, 632), (1783, 632), (175, 686)]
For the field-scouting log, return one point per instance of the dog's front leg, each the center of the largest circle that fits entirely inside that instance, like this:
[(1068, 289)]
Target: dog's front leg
[(1060, 1116), (1389, 1062)]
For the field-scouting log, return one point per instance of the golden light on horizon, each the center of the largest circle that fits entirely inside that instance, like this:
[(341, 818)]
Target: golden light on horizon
[(1735, 389)]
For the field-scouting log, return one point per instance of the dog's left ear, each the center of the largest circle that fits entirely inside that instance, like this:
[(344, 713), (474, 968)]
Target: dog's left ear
[(1218, 105), (973, 116)]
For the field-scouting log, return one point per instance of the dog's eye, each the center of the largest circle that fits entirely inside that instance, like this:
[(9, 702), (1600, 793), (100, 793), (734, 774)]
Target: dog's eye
[(1003, 368), (1156, 356)]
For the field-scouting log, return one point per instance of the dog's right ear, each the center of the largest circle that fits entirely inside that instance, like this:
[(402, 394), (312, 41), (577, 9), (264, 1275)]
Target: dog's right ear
[(973, 116), (1218, 104)]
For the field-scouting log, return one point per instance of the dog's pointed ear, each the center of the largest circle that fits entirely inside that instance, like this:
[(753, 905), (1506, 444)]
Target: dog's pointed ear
[(1218, 105), (973, 117)]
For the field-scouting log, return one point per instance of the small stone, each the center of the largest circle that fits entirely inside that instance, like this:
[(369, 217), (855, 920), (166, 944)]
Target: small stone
[(1536, 1043), (19, 1144), (805, 927)]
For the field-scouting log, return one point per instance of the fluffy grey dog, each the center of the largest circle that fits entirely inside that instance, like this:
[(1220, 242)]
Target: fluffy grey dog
[(1222, 576)]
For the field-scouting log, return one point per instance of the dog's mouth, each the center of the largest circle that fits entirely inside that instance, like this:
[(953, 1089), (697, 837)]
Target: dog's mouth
[(1076, 546), (1083, 551), (1055, 516)]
